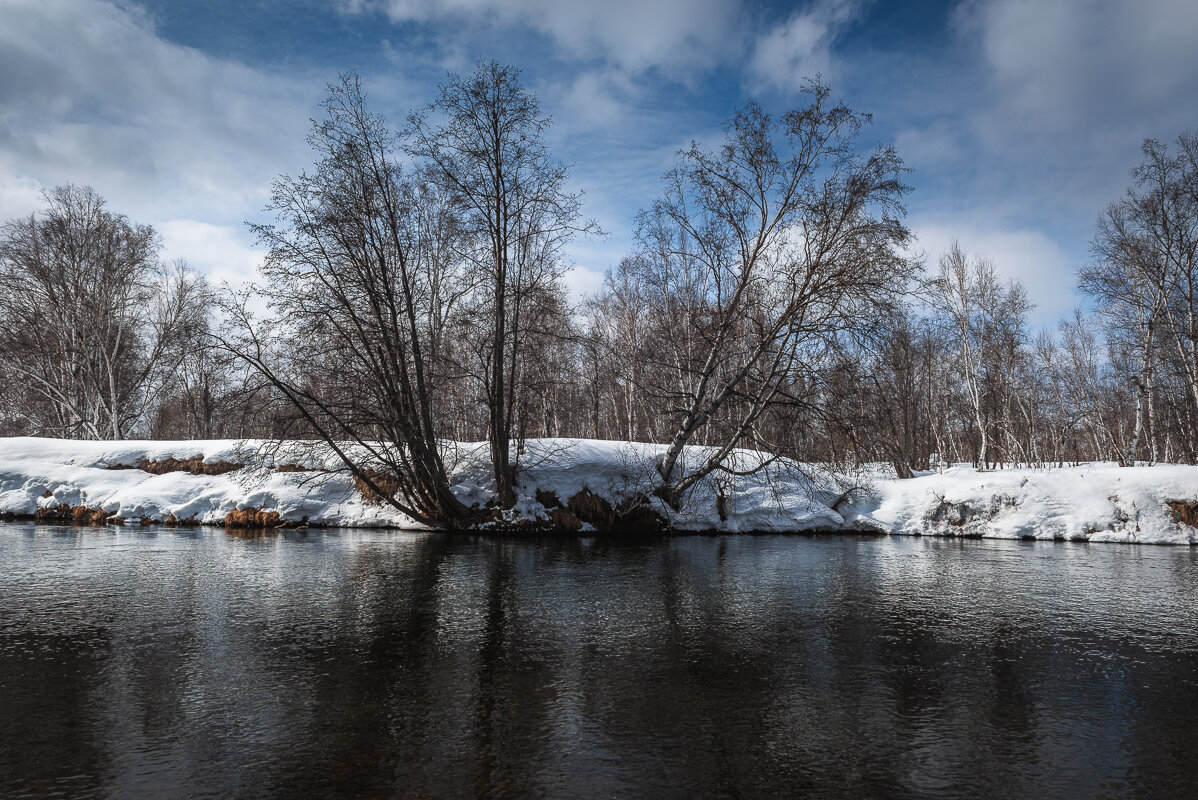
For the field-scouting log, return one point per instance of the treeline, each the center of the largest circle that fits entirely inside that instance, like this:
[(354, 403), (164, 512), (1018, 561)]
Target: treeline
[(412, 295)]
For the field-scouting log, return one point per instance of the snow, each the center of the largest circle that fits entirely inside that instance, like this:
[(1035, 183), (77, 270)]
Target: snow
[(780, 498), (1091, 502), (1097, 502), (40, 473)]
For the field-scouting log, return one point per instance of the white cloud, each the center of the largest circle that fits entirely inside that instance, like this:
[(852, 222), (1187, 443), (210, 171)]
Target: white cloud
[(581, 282), (633, 34), (19, 196), (1067, 90), (90, 94), (801, 47), (939, 143), (1029, 256), (224, 254), (596, 99), (1026, 128), (1071, 61)]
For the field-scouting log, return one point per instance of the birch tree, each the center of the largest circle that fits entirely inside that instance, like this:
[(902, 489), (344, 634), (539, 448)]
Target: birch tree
[(1130, 282), (91, 322), (764, 250)]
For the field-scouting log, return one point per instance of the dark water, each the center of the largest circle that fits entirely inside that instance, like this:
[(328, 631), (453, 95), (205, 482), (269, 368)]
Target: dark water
[(152, 663)]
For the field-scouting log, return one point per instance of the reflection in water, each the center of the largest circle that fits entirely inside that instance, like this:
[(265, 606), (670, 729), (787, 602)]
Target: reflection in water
[(189, 663)]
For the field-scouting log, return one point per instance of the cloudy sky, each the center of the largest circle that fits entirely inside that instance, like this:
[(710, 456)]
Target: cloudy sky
[(1020, 118)]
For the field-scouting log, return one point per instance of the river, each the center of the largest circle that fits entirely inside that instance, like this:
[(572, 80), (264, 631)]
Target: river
[(142, 662)]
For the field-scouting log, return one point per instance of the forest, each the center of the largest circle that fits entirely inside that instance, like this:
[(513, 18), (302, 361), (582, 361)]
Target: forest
[(412, 294)]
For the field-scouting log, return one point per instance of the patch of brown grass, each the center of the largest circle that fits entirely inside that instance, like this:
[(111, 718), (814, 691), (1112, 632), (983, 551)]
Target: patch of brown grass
[(63, 514), (260, 519), (630, 515), (193, 466), (384, 480), (563, 521), (252, 518), (590, 507), (1185, 513)]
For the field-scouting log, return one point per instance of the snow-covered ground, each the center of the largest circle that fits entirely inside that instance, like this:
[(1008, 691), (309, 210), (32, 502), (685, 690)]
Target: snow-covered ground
[(1098, 502), (50, 473), (46, 473), (1092, 502)]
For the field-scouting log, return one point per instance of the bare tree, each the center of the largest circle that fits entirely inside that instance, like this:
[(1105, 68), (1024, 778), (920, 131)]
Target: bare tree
[(1131, 285), (988, 322), (483, 139), (963, 292), (760, 253), (358, 294), (895, 388), (90, 321), (623, 332)]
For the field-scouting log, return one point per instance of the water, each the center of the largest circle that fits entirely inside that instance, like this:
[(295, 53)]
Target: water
[(153, 663)]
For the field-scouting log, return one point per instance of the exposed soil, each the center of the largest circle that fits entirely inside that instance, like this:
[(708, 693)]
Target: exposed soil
[(63, 514), (193, 466)]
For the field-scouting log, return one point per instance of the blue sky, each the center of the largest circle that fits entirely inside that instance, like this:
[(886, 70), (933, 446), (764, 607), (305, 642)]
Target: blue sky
[(1019, 118)]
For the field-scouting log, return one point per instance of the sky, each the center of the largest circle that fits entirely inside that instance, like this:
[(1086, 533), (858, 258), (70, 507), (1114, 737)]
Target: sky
[(1020, 119)]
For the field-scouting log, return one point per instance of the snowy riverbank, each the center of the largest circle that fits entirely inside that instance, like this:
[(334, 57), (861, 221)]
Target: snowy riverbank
[(582, 485)]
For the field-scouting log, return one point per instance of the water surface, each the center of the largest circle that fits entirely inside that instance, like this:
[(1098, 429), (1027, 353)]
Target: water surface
[(178, 664)]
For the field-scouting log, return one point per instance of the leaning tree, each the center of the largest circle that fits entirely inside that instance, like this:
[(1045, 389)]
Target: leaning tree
[(358, 297), (758, 256)]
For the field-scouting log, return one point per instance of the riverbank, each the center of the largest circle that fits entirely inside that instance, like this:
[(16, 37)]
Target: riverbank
[(579, 486)]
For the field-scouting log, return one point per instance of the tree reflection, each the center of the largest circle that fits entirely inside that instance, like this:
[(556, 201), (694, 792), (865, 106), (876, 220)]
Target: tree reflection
[(341, 664)]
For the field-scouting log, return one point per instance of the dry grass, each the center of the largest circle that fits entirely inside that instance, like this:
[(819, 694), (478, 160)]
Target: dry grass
[(590, 507), (193, 466), (64, 514), (385, 481), (586, 506), (253, 518), (1185, 513)]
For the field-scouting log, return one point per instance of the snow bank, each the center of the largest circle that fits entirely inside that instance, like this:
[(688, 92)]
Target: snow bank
[(51, 473), (46, 473), (783, 497), (1093, 503)]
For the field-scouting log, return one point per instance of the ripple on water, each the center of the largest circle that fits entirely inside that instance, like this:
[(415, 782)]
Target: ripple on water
[(146, 662)]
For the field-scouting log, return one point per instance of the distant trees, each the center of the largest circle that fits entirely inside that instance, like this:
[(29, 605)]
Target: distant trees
[(1144, 279), (92, 325), (893, 382), (625, 331), (986, 325)]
